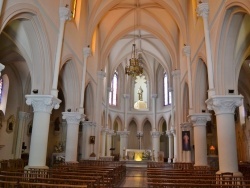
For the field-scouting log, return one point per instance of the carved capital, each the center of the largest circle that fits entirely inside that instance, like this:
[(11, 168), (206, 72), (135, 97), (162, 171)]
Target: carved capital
[(203, 10), (199, 119), (187, 50), (43, 103), (86, 52), (64, 13), (155, 134), (224, 104), (72, 117), (186, 126)]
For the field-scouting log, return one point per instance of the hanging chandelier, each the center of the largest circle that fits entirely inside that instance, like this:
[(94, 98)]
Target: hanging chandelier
[(134, 68)]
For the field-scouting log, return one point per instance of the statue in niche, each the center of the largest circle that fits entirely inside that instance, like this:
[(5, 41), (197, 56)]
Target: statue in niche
[(139, 92)]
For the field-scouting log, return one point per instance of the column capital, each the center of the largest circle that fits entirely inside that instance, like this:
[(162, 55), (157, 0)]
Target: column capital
[(111, 132), (176, 72), (105, 129), (1, 68), (187, 50), (224, 104), (173, 131), (72, 117), (186, 126), (199, 119), (155, 134), (86, 51), (154, 96), (203, 10), (43, 103), (126, 96), (169, 133), (121, 133), (101, 74), (64, 13), (139, 133), (23, 115)]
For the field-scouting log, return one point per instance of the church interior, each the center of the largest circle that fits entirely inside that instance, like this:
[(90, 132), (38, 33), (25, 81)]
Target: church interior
[(151, 84)]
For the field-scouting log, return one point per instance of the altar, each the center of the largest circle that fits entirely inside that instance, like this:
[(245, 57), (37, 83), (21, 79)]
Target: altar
[(138, 154)]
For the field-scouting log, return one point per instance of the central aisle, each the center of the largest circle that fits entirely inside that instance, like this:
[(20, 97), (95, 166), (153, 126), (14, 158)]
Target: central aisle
[(135, 177)]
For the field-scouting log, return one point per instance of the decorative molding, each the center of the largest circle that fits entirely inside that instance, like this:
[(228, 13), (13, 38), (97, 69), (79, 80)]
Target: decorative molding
[(155, 134), (72, 117), (203, 10), (186, 126), (224, 104), (199, 119), (43, 103), (64, 13)]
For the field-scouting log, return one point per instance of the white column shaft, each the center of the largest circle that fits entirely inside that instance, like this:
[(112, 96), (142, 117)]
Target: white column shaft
[(87, 148), (170, 148), (1, 6), (227, 143), (71, 142), (63, 12), (103, 144), (200, 145), (109, 139), (39, 139)]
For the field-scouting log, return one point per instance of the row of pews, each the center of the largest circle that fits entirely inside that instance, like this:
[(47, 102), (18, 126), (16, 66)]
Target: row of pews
[(85, 174), (184, 175)]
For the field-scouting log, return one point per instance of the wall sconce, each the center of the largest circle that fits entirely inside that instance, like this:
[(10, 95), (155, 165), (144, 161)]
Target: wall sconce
[(231, 91), (203, 111), (69, 110)]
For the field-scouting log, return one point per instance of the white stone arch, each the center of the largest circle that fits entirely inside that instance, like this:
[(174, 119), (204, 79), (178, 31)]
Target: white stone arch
[(200, 87), (69, 82), (230, 46), (132, 139), (37, 54), (185, 102), (117, 121), (89, 102)]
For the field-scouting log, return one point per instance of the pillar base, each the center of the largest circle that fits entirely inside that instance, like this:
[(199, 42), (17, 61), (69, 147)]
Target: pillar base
[(174, 160), (234, 173), (71, 162), (36, 167), (169, 160)]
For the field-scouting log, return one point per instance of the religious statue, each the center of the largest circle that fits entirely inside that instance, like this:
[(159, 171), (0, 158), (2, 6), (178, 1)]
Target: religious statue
[(140, 91)]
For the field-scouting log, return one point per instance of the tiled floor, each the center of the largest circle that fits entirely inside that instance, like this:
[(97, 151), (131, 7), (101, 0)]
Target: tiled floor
[(135, 177)]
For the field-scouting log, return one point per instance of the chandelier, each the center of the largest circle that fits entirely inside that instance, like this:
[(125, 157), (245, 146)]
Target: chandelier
[(134, 68)]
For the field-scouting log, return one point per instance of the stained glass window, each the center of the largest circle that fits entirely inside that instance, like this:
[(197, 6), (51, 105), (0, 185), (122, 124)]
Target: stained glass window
[(113, 92)]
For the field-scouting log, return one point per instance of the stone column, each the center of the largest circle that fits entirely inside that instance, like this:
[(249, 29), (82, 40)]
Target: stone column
[(187, 51), (98, 111), (1, 6), (1, 65), (109, 142), (64, 14), (170, 146), (139, 135), (103, 141), (200, 137), (203, 10), (126, 102), (224, 107), (186, 154), (22, 117), (86, 53), (175, 145), (154, 96), (42, 105), (123, 141), (177, 108), (156, 143), (87, 148), (73, 119)]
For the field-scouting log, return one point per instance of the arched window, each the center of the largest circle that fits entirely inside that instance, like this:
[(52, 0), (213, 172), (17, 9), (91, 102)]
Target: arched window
[(167, 94), (113, 92)]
